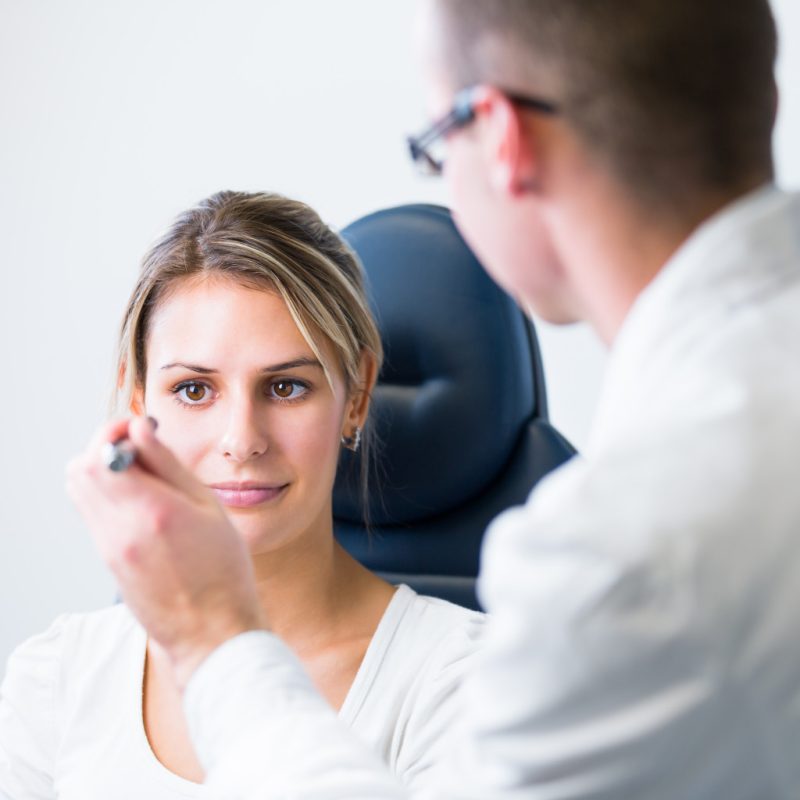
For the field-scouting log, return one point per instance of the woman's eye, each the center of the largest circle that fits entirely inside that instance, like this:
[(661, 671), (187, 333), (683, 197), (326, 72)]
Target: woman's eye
[(192, 392), (288, 390)]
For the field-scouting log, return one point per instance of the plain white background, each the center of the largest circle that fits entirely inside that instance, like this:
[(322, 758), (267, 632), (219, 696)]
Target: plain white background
[(116, 116)]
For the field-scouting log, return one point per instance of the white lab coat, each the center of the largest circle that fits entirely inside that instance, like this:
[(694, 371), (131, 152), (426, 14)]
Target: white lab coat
[(644, 636)]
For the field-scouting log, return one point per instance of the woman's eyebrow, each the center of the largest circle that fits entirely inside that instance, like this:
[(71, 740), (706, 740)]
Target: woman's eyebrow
[(190, 367), (303, 361)]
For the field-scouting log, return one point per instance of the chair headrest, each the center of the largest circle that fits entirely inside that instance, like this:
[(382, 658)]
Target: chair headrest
[(456, 388)]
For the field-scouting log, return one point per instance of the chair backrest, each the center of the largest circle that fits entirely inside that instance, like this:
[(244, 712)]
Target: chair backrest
[(460, 409)]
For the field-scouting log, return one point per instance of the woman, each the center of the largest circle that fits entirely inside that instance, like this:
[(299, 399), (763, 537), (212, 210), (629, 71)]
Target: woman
[(249, 339)]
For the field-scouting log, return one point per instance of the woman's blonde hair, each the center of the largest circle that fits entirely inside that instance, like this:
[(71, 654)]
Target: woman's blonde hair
[(263, 241)]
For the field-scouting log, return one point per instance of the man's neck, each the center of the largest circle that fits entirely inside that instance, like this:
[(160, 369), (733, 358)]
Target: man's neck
[(612, 249)]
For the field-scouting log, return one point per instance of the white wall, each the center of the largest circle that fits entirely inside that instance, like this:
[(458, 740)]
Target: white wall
[(118, 115)]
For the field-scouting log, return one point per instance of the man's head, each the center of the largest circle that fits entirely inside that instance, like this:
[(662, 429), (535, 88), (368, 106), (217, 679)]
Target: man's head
[(674, 101)]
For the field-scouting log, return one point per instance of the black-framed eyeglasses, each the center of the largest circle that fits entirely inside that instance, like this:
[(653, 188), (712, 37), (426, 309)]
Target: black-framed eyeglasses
[(462, 113)]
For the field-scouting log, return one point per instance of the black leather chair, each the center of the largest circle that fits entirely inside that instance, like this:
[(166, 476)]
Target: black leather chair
[(460, 407)]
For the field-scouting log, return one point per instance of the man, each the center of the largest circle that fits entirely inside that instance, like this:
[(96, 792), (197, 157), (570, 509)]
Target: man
[(610, 162)]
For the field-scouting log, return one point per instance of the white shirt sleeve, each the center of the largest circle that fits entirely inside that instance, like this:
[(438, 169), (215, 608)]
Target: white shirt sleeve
[(29, 718), (261, 730)]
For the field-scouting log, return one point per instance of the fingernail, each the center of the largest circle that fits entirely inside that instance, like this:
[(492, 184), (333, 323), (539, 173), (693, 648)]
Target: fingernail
[(153, 423)]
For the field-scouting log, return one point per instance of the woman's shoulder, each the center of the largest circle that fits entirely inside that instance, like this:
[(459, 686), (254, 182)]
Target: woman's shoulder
[(436, 624), (101, 630), (61, 687), (404, 697), (424, 638), (71, 645)]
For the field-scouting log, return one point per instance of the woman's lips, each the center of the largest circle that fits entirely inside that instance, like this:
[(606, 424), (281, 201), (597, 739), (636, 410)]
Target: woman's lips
[(245, 496)]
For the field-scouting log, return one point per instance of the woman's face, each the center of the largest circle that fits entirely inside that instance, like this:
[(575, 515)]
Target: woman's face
[(243, 402)]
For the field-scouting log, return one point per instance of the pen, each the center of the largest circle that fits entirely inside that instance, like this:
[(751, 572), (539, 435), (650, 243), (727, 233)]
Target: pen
[(119, 455)]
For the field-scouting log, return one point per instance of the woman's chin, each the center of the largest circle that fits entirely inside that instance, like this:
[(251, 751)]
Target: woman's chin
[(260, 539)]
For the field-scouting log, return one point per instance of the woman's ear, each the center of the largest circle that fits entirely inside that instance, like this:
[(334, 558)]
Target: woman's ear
[(136, 405), (361, 394), (137, 402)]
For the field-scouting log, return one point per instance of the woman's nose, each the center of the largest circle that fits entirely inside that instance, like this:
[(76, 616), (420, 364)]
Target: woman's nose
[(245, 436)]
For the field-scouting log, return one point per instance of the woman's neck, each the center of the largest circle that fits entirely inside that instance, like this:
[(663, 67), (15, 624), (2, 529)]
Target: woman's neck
[(313, 592)]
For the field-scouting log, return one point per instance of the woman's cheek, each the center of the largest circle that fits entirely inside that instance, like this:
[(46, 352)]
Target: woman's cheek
[(189, 446), (188, 442), (310, 441)]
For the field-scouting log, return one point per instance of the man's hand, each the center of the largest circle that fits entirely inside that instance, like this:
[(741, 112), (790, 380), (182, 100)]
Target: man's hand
[(182, 568)]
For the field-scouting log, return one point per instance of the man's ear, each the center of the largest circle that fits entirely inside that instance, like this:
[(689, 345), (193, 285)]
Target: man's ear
[(510, 151), (360, 395)]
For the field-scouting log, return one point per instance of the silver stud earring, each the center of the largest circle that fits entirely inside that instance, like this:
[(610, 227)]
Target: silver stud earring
[(353, 442)]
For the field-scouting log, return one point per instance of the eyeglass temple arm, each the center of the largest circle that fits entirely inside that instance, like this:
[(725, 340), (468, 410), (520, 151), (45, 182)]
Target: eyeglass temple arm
[(461, 114)]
